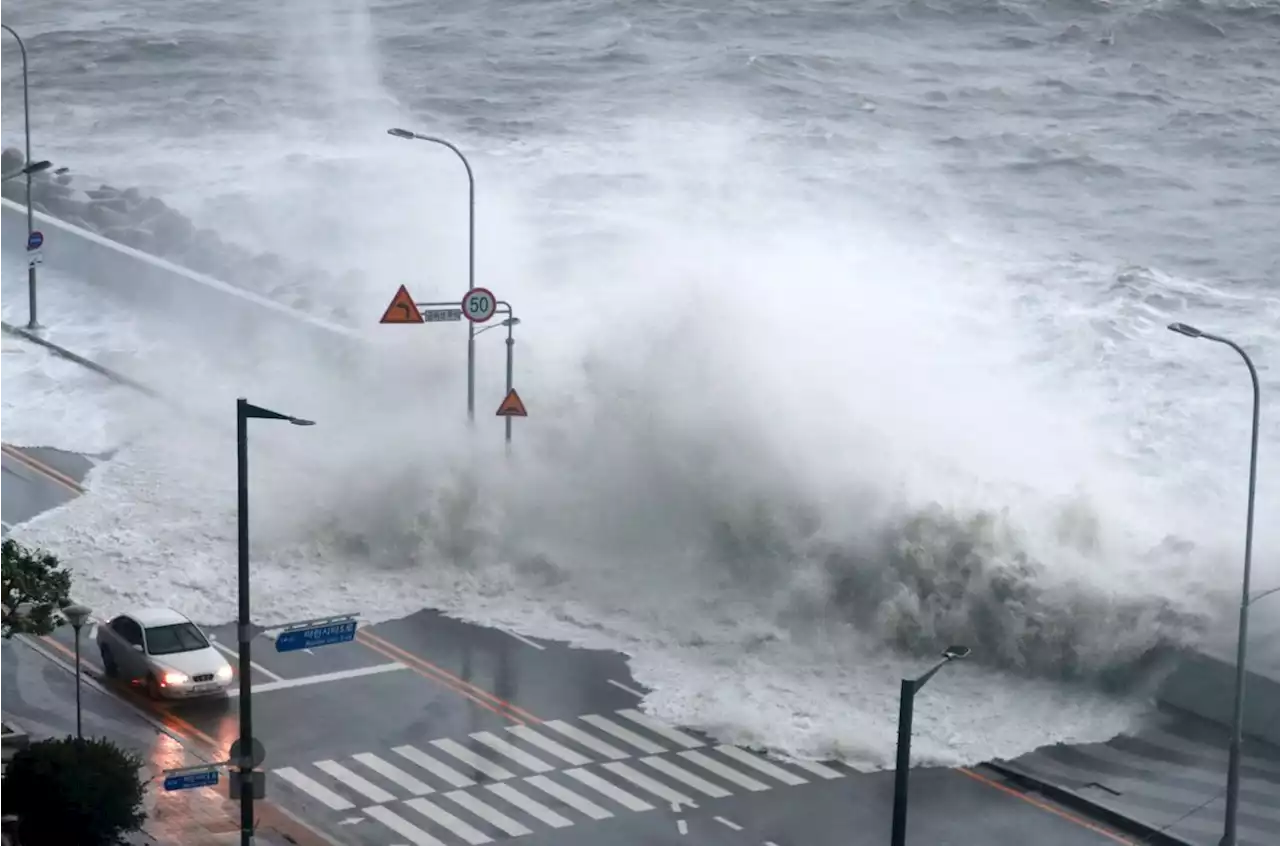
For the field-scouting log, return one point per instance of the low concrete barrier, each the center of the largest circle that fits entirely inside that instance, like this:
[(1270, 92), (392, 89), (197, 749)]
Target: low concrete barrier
[(212, 311), (1204, 685)]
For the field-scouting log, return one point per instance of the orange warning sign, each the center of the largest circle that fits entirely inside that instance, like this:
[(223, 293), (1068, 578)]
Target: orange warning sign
[(512, 406), (402, 309)]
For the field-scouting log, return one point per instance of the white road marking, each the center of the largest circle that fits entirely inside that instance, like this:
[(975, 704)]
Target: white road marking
[(525, 640), (314, 788), (594, 744), (642, 781), (770, 843), (766, 767), (624, 734), (730, 823), (724, 771), (442, 817), (515, 753), (615, 793), (401, 826), (620, 686), (354, 781), (672, 734), (698, 783), (477, 763), (236, 655), (567, 796), (548, 745), (682, 826), (529, 806), (431, 765), (352, 820), (489, 814), (814, 767), (393, 773), (338, 675)]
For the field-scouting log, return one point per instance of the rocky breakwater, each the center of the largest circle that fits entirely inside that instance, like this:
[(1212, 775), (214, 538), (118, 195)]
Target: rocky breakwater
[(127, 216)]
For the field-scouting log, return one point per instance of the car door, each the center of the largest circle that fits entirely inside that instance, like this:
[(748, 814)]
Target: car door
[(130, 657)]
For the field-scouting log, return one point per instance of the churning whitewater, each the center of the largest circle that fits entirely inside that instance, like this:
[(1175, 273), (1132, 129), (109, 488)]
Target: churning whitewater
[(840, 334)]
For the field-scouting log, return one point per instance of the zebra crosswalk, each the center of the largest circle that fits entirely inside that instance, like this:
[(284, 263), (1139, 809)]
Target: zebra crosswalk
[(552, 775)]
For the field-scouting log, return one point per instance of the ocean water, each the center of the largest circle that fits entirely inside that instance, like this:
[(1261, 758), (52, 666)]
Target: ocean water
[(842, 336)]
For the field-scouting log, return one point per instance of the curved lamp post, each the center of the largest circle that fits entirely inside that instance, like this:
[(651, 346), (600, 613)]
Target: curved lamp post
[(906, 707), (244, 412), (32, 323), (471, 254), (1242, 644)]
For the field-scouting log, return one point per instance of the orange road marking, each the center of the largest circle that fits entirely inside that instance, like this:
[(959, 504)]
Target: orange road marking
[(1045, 806), (42, 468)]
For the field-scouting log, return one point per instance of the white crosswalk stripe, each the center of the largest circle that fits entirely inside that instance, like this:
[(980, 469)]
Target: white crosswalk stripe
[(724, 771), (532, 807), (672, 734), (551, 775), (476, 762), (393, 773), (546, 744), (591, 742), (626, 735), (431, 765), (401, 826), (489, 814), (515, 753), (568, 797), (443, 818)]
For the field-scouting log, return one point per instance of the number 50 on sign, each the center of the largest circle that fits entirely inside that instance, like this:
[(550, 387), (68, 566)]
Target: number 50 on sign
[(479, 305)]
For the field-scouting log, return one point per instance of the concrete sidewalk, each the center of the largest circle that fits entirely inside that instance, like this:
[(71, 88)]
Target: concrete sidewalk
[(39, 696)]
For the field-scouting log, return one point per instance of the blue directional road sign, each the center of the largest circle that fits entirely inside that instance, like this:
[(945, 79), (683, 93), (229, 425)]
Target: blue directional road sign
[(190, 779), (35, 240), (324, 634)]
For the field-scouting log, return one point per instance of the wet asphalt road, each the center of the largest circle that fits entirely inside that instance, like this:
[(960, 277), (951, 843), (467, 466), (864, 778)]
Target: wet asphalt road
[(429, 731)]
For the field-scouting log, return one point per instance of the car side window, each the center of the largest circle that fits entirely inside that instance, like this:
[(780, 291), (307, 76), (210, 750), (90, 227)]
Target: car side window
[(128, 629)]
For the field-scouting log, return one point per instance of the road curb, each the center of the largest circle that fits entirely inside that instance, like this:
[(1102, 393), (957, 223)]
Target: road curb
[(1144, 831), (63, 352)]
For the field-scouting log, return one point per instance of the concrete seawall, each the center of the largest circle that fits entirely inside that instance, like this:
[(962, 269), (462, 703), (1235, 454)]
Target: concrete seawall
[(217, 313)]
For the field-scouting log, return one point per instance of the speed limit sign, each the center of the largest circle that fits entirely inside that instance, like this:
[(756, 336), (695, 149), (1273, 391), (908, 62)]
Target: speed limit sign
[(479, 305)]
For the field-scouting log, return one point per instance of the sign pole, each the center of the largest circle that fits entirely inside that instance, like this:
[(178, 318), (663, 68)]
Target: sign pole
[(511, 345), (246, 701), (32, 322)]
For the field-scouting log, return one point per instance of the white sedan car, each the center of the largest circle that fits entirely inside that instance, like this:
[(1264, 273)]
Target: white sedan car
[(165, 651)]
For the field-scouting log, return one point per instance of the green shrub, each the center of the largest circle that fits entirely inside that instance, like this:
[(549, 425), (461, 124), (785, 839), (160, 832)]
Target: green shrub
[(34, 589), (67, 791)]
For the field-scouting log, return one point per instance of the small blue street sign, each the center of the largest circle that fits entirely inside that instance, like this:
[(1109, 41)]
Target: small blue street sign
[(188, 780), (35, 240), (325, 634)]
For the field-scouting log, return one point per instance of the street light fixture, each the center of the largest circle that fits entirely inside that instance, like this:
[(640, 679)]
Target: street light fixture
[(244, 412), (471, 254), (34, 167), (77, 615), (906, 707), (1229, 824)]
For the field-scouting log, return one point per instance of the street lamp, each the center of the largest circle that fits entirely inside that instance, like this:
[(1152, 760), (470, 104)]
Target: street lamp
[(244, 411), (77, 615), (471, 256), (510, 323), (32, 323), (34, 167), (906, 706), (1242, 638)]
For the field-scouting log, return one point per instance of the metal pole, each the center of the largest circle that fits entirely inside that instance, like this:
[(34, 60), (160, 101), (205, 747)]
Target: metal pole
[(471, 284), (246, 710), (1242, 644), (79, 732), (32, 322), (511, 346), (906, 704)]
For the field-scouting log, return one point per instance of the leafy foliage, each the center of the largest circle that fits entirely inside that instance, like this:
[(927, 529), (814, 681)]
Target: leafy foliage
[(32, 576), (64, 790)]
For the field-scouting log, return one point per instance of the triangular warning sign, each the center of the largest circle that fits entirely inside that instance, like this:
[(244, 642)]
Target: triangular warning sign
[(512, 406), (402, 309)]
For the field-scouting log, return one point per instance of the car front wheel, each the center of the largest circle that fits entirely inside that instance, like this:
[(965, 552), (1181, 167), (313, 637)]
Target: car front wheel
[(153, 688), (108, 663)]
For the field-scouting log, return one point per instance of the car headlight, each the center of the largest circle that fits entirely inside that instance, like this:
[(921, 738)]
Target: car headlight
[(172, 677), (224, 673)]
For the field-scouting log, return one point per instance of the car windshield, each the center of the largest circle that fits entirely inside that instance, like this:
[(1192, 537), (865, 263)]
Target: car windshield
[(166, 640)]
